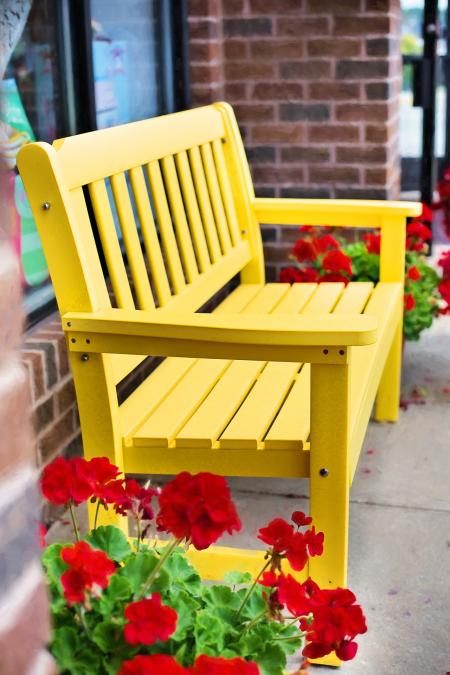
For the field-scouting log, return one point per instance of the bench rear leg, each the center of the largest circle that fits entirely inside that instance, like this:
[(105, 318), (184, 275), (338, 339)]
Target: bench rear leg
[(329, 476), (388, 397)]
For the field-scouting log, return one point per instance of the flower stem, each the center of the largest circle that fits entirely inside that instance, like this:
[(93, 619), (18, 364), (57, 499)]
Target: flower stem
[(152, 576), (255, 620), (96, 514), (251, 588), (139, 533), (74, 521)]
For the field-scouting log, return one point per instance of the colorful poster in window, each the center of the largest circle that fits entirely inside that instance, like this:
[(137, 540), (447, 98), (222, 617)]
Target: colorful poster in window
[(111, 82), (15, 131)]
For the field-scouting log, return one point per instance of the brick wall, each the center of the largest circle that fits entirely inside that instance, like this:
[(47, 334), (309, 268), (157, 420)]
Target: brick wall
[(24, 624), (315, 85)]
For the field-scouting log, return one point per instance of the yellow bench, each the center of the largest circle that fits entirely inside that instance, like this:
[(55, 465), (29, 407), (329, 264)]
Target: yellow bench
[(278, 380)]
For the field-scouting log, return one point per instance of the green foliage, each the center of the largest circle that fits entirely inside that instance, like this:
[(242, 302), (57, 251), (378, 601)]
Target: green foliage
[(88, 639)]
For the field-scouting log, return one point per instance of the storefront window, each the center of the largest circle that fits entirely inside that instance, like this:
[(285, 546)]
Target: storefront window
[(30, 103)]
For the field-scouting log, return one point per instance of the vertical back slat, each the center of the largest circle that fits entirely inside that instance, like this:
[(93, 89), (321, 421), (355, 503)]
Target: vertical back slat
[(131, 240), (179, 217), (216, 197), (205, 204), (110, 244), (150, 236), (190, 200), (165, 226), (227, 194)]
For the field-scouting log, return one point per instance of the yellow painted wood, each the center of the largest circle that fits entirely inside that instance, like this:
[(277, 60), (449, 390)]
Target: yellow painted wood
[(239, 298), (162, 425), (204, 203), (179, 218), (290, 429), (295, 300), (392, 253), (388, 396), (165, 227), (248, 426), (324, 299), (263, 463), (242, 188), (226, 190), (267, 298), (341, 212), (149, 235), (119, 148), (110, 245), (354, 298), (216, 197), (191, 204), (131, 241)]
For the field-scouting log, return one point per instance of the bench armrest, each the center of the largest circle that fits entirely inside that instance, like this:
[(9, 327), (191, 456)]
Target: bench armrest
[(257, 337), (339, 212)]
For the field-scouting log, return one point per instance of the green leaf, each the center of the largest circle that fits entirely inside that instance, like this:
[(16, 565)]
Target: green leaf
[(182, 574), (117, 592), (53, 563), (237, 578), (106, 635), (72, 654), (111, 540), (137, 570), (221, 596), (186, 608), (209, 633), (271, 660)]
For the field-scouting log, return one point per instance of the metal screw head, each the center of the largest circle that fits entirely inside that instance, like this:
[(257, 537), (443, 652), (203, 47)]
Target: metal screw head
[(324, 472), (85, 357), (46, 206)]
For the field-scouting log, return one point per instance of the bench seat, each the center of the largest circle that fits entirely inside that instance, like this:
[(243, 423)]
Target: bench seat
[(191, 406)]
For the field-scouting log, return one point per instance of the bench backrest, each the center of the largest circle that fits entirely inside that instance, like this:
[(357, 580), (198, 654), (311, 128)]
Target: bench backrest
[(179, 189)]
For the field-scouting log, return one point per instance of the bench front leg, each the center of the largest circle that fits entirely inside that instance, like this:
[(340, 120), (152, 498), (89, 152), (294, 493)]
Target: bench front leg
[(329, 476)]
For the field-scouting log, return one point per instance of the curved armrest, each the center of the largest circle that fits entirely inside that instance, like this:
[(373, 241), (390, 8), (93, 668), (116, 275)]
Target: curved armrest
[(341, 212), (257, 337)]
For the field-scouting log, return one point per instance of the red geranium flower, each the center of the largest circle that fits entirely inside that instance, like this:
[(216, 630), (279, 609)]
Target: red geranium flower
[(290, 275), (413, 273), (409, 302), (131, 497), (373, 243), (67, 479), (155, 664), (306, 228), (286, 542), (326, 243), (216, 665), (42, 531), (444, 262), (87, 568), (300, 519), (197, 508), (149, 621), (294, 596), (314, 541), (419, 231), (444, 290), (412, 244), (337, 261), (101, 472), (268, 579), (304, 250), (427, 213), (278, 534)]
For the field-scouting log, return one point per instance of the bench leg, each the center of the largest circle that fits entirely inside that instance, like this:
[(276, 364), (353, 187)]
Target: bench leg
[(388, 397), (329, 476)]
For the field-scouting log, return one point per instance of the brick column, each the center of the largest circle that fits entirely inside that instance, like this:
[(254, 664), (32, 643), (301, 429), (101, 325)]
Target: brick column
[(315, 85), (24, 623), (206, 50)]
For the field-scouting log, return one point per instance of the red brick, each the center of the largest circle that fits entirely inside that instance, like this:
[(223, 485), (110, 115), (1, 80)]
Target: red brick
[(306, 70), (334, 91), (233, 7), (235, 49), (303, 26), (376, 134), (274, 6), (203, 29), (277, 49), (254, 112), (278, 133), (65, 396), (249, 70), (355, 112), (329, 47), (277, 252), (361, 25), (334, 174), (377, 176), (205, 50), (203, 7), (15, 431), (333, 6), (333, 133), (235, 91), (202, 74), (305, 153), (34, 361), (278, 174), (281, 91), (57, 435), (361, 155)]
